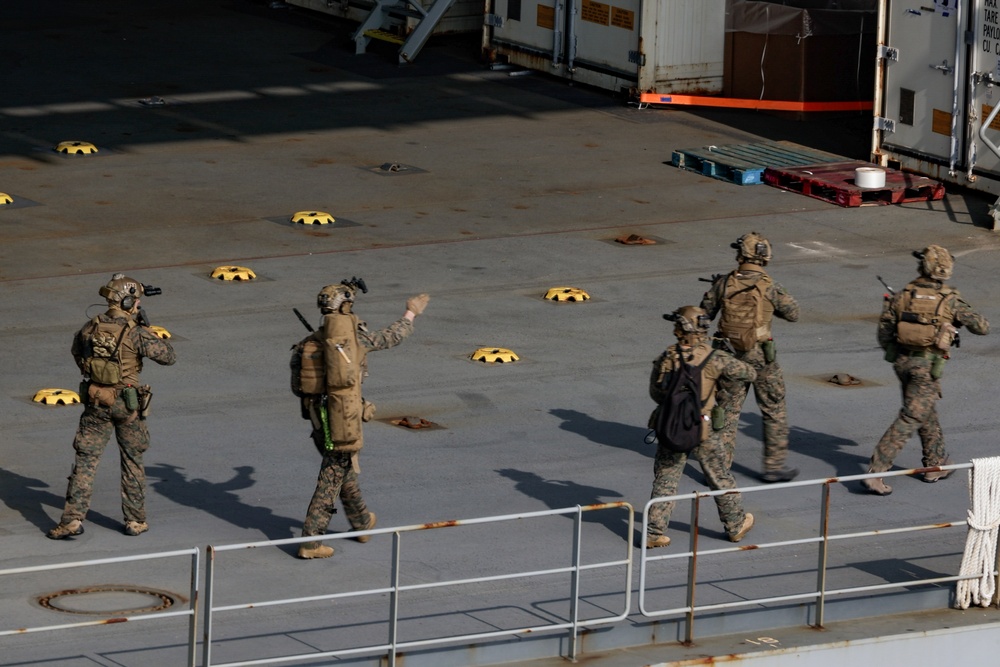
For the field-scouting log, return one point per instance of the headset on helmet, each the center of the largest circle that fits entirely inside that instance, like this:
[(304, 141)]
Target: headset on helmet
[(122, 291), (752, 247), (689, 320), (935, 262)]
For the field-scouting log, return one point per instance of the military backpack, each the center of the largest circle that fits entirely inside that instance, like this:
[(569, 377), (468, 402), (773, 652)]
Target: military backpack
[(924, 317), (102, 343), (679, 420), (744, 318)]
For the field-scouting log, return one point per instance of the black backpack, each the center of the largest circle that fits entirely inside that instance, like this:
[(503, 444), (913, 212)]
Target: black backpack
[(679, 422)]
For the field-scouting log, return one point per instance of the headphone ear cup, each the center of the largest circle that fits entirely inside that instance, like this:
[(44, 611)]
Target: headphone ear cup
[(128, 302)]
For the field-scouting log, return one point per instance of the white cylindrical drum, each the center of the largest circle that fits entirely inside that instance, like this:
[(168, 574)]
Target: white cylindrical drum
[(869, 177)]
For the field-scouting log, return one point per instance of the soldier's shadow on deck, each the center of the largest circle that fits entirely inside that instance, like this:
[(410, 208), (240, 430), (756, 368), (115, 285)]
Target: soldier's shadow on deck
[(28, 496), (220, 499), (562, 493), (613, 434), (844, 456)]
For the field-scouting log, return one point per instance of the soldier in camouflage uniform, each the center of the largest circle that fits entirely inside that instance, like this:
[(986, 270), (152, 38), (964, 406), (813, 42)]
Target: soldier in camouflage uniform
[(715, 454), (918, 349), (111, 407), (337, 414), (748, 300)]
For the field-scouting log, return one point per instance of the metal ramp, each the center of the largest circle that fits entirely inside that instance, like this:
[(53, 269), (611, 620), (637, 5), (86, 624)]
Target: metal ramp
[(384, 12)]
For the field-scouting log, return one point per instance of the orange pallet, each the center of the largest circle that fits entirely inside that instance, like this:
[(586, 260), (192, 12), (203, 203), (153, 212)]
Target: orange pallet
[(834, 182)]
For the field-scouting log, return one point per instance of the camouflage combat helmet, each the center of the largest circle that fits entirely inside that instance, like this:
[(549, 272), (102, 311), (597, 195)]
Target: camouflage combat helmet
[(332, 297), (936, 263), (691, 323), (752, 248), (122, 291)]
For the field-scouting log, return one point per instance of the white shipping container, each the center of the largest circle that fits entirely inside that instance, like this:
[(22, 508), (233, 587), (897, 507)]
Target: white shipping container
[(661, 46), (937, 89)]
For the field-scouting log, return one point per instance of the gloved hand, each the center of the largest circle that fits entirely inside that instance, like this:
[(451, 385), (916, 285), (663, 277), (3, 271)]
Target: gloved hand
[(416, 304)]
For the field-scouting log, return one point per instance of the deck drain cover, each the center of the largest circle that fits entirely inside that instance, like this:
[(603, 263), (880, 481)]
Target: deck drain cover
[(108, 600)]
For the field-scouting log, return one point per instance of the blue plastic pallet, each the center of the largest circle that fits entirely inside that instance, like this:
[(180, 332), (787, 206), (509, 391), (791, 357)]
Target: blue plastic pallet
[(744, 164)]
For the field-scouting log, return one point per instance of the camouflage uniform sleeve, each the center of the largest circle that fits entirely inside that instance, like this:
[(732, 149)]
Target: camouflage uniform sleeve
[(656, 381), (887, 322), (973, 321), (731, 368), (151, 346), (383, 339), (785, 305), (711, 302), (77, 349)]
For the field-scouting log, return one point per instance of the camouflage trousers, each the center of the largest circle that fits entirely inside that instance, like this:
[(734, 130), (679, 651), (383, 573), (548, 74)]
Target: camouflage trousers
[(920, 395), (92, 436), (337, 478), (769, 391), (716, 459)]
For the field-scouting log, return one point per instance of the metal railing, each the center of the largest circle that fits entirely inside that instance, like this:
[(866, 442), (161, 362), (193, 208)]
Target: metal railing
[(822, 540), (395, 589), (570, 621), (191, 612)]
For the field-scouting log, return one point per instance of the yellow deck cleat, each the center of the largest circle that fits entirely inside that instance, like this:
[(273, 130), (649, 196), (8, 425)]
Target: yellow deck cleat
[(494, 355), (76, 148), (313, 218), (56, 397), (566, 294), (233, 273)]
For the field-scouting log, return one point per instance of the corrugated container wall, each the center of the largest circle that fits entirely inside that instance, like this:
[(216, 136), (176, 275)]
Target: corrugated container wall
[(937, 88), (663, 46)]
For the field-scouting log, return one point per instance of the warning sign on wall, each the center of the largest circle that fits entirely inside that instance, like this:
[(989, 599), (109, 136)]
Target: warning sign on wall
[(595, 12)]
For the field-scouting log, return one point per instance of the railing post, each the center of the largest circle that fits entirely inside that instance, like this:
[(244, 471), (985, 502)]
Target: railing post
[(692, 570), (394, 600), (193, 621), (824, 532), (206, 649), (574, 595)]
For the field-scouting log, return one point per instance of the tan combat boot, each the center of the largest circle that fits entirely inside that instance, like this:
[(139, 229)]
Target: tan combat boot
[(64, 530), (876, 485), (134, 528), (314, 550), (653, 541), (371, 524), (747, 525), (931, 477)]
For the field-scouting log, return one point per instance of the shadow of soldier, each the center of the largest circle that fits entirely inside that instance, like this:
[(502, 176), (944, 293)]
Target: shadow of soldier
[(613, 434), (830, 449), (219, 499), (24, 495), (562, 493)]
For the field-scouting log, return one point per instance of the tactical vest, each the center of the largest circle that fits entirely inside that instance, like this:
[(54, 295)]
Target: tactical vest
[(746, 311), (108, 355), (699, 353), (924, 317)]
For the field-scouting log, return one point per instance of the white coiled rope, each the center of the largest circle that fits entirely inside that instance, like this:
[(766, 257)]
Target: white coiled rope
[(981, 542)]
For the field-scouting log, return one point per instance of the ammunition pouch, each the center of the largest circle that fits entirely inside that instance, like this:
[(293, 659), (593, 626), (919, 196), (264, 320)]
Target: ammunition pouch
[(100, 395), (104, 371)]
